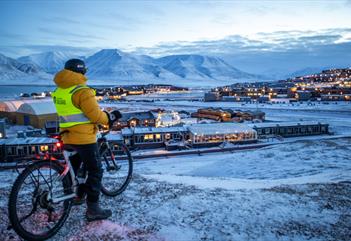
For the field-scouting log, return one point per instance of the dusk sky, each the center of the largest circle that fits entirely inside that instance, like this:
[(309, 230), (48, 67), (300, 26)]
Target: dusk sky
[(29, 26)]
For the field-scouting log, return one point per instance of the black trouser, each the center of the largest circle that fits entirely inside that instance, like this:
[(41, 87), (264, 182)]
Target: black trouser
[(89, 154)]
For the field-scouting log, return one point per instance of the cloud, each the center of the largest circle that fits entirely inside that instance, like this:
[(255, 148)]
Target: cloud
[(69, 34), (61, 20), (279, 41), (117, 22), (13, 36), (15, 51)]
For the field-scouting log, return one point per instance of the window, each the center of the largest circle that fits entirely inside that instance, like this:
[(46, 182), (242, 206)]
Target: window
[(9, 152), (127, 141), (148, 138), (158, 137), (139, 139)]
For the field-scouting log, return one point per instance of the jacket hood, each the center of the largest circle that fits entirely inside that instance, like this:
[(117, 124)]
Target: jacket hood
[(66, 78)]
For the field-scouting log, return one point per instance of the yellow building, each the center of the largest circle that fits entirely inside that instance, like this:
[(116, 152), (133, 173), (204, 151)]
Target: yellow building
[(8, 108), (36, 114)]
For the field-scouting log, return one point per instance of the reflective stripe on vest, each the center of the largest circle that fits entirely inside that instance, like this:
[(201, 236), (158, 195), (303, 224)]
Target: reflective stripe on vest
[(73, 118), (69, 115)]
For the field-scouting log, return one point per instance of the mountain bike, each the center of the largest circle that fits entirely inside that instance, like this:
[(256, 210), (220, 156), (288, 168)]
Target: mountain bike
[(41, 197)]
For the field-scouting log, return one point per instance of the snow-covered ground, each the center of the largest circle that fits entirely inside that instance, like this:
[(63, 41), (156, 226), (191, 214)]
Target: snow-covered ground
[(292, 191), (337, 114)]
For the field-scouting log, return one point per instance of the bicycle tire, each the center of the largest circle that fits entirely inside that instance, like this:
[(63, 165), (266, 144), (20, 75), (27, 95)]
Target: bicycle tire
[(12, 205), (107, 158)]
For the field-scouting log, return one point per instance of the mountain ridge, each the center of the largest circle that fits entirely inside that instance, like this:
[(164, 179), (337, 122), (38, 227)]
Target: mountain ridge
[(113, 66)]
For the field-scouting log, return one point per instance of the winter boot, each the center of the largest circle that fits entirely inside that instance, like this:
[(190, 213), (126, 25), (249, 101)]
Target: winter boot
[(94, 212)]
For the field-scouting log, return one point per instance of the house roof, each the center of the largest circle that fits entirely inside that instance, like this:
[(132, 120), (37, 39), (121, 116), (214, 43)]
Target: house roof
[(27, 141), (284, 124), (146, 130), (38, 108), (219, 128), (145, 115), (13, 105)]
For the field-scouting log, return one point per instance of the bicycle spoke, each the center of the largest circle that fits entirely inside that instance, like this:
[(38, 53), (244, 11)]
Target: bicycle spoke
[(37, 185), (41, 174), (35, 207)]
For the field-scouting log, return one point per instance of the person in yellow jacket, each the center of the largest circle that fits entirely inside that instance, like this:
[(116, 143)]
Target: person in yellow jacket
[(79, 114)]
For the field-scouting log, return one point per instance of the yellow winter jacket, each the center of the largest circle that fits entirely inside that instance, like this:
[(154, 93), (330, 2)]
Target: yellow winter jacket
[(83, 99)]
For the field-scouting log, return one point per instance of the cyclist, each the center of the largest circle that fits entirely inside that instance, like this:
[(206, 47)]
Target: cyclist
[(79, 115)]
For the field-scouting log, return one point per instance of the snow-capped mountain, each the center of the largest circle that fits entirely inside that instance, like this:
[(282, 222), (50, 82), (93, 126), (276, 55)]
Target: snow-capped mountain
[(51, 62), (11, 69), (113, 64), (200, 67)]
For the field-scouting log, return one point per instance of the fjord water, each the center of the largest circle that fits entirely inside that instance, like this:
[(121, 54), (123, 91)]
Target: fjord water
[(13, 91)]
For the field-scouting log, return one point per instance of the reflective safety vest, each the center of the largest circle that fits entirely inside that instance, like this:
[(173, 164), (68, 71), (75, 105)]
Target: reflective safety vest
[(69, 115)]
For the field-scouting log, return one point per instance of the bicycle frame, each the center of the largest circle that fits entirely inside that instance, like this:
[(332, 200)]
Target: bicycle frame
[(68, 169)]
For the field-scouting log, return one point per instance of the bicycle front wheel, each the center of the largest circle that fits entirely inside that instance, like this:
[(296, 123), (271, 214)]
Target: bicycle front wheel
[(32, 213), (118, 170)]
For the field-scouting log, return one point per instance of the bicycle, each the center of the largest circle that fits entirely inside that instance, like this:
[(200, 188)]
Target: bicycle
[(49, 187)]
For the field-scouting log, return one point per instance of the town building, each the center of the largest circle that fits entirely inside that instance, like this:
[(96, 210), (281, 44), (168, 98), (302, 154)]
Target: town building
[(212, 96), (2, 129), (8, 109), (241, 116), (218, 114), (290, 129), (36, 114), (135, 119), (303, 95), (237, 99), (335, 97), (28, 112), (196, 135), (165, 119), (201, 135), (152, 137), (14, 149)]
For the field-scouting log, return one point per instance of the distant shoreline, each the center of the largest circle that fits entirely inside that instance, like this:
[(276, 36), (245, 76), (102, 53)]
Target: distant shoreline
[(33, 85)]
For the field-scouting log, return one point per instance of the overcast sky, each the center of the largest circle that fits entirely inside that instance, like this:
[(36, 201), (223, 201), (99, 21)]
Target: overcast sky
[(130, 24)]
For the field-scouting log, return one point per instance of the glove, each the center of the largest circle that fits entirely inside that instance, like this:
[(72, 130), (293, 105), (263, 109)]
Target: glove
[(113, 116)]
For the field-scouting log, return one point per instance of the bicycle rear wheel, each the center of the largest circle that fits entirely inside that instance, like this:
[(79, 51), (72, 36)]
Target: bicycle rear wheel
[(32, 214), (118, 170)]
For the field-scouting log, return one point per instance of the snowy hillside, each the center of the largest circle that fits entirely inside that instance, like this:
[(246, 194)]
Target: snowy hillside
[(14, 72), (112, 66), (50, 62), (202, 67), (307, 71), (295, 191)]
